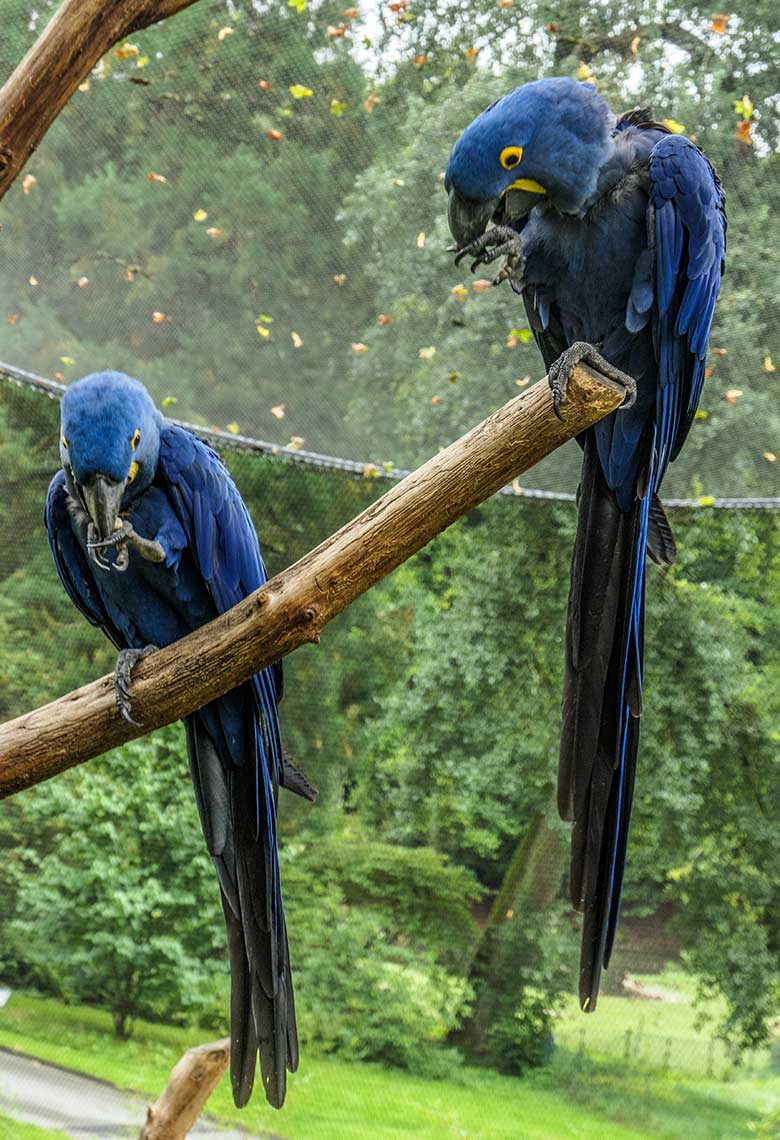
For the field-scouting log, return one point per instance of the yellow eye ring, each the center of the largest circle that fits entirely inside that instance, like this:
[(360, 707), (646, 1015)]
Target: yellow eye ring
[(136, 438), (64, 441), (510, 157)]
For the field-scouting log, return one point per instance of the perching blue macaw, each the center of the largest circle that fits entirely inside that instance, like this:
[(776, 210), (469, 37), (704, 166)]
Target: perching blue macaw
[(614, 232), (151, 539)]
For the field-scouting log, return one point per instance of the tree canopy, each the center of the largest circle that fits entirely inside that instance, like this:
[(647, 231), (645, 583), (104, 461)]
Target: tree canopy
[(243, 208)]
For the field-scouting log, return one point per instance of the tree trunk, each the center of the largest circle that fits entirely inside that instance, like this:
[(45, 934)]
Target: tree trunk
[(531, 883)]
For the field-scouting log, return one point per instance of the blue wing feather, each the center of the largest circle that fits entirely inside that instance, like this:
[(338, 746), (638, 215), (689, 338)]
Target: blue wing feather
[(688, 234), (227, 552), (687, 240), (224, 544), (674, 289)]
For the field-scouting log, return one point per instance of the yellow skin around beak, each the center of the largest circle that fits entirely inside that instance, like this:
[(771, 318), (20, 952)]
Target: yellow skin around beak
[(526, 184)]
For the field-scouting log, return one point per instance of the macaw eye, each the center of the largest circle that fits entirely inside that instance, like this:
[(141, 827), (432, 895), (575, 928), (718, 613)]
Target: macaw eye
[(64, 442), (136, 438), (510, 156), (131, 474)]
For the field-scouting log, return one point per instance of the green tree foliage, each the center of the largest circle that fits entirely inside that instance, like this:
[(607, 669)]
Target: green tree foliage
[(379, 932), (726, 874), (195, 122), (121, 910), (429, 715)]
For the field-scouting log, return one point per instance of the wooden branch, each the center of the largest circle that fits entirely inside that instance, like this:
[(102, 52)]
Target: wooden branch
[(623, 43), (77, 36), (292, 608), (193, 1080)]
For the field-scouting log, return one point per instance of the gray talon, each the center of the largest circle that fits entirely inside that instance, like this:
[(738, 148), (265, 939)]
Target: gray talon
[(118, 536), (121, 538), (561, 370), (495, 242), (93, 548), (125, 663)]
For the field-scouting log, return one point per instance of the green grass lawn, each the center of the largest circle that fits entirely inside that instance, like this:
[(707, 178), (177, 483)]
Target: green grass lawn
[(576, 1096), (13, 1130), (657, 1035)]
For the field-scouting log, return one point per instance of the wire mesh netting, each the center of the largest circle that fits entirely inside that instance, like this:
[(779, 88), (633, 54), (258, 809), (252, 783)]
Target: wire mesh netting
[(243, 208), (428, 718)]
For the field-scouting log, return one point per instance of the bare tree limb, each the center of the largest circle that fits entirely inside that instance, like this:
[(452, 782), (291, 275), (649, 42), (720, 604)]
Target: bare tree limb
[(192, 1081), (77, 36), (294, 606), (622, 43)]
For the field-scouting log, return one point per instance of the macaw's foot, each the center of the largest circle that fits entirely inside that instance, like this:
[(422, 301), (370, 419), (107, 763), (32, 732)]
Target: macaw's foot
[(560, 373), (122, 537), (125, 663), (495, 242)]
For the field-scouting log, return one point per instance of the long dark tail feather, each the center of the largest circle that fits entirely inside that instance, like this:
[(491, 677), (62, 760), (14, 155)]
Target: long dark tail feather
[(243, 1039), (240, 833), (660, 540), (602, 701)]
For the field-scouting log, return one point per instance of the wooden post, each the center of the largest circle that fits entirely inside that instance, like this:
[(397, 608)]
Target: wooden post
[(77, 36), (293, 607), (193, 1080)]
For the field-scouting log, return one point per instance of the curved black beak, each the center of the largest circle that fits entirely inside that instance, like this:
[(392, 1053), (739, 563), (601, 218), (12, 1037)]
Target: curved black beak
[(469, 219), (103, 497)]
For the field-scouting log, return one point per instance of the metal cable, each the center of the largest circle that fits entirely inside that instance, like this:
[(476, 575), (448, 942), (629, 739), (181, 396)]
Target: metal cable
[(363, 469)]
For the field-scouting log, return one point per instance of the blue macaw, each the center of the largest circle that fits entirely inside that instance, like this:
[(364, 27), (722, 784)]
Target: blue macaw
[(151, 539), (614, 233)]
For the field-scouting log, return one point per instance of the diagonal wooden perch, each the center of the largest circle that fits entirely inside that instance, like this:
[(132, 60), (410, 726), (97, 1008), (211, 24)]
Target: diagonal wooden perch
[(192, 1082), (293, 607)]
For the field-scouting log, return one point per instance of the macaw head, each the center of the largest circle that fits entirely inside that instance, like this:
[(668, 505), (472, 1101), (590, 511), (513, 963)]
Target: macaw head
[(109, 443), (546, 140)]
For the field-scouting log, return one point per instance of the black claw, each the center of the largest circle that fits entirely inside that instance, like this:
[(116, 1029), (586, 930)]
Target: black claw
[(495, 242), (630, 399), (558, 379), (558, 385), (125, 663), (123, 701), (119, 536)]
